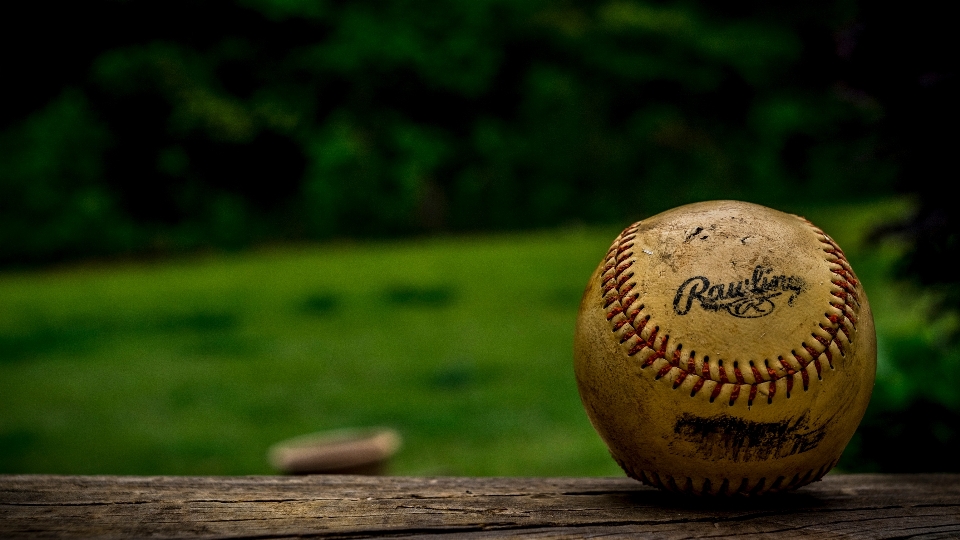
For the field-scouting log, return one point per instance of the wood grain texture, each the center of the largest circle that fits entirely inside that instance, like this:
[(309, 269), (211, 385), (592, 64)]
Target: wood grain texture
[(840, 506)]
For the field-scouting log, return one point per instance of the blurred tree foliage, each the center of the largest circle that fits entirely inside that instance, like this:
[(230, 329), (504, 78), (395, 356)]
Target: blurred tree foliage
[(143, 126), (133, 127), (903, 58)]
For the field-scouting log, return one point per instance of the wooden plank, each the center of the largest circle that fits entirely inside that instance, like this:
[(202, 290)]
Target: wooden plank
[(840, 506)]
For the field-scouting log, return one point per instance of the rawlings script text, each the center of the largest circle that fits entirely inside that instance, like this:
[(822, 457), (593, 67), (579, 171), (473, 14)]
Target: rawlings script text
[(747, 298)]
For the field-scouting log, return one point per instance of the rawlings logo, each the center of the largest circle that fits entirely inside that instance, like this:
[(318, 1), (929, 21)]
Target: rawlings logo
[(748, 298)]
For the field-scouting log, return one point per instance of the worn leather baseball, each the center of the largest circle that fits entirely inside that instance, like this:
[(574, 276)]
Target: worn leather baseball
[(725, 348)]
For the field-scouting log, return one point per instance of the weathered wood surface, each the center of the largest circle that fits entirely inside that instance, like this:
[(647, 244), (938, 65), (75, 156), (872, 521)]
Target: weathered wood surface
[(840, 506)]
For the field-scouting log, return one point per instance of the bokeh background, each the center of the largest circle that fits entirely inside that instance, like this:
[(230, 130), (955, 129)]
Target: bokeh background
[(227, 223)]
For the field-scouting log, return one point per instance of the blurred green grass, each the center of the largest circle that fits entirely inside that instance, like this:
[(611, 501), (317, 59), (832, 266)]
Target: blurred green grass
[(463, 344)]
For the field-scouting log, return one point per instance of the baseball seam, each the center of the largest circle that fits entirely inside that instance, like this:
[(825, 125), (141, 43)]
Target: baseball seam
[(726, 487), (625, 311)]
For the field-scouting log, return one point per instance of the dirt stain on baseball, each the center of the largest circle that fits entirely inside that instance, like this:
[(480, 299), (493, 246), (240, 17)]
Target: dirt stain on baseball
[(724, 436)]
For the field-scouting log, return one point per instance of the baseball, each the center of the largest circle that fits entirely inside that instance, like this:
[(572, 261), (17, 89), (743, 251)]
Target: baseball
[(725, 348)]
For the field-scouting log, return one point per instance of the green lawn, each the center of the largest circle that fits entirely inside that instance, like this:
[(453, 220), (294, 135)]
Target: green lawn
[(198, 365)]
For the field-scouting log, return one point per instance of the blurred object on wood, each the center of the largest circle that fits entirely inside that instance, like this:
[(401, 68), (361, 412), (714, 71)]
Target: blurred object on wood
[(346, 451)]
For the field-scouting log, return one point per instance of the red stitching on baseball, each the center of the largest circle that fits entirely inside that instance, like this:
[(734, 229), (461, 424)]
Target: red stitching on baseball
[(609, 286), (734, 393), (757, 379), (696, 387), (839, 344), (773, 374), (664, 370), (723, 373), (615, 284), (716, 392), (685, 484)]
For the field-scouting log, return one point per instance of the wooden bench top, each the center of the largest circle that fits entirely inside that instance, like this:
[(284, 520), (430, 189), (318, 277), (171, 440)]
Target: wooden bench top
[(839, 506)]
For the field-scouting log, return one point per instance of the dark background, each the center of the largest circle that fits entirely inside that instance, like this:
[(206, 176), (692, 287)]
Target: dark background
[(143, 129)]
